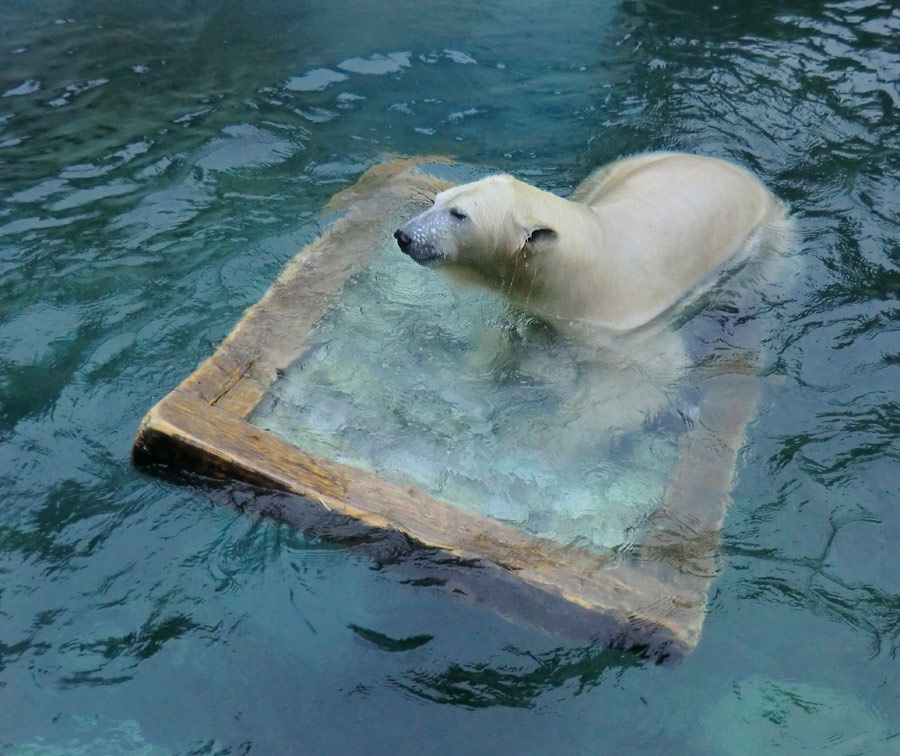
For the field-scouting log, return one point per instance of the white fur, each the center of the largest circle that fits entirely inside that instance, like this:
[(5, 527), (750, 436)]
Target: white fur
[(634, 238)]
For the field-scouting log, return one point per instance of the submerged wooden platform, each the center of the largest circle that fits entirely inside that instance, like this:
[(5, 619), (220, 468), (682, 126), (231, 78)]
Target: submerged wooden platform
[(655, 602)]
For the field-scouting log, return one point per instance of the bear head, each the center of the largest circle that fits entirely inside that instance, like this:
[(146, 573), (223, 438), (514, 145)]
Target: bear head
[(485, 226)]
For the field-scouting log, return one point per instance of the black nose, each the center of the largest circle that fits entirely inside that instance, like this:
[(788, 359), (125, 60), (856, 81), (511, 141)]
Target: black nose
[(403, 239)]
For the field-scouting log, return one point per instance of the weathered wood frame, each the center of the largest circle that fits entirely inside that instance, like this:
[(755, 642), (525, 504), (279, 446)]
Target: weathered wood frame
[(654, 600)]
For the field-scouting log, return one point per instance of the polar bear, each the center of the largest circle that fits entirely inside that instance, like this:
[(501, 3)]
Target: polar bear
[(632, 241), (637, 238)]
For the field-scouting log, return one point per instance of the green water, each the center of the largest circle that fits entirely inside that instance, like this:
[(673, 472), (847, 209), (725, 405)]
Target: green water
[(160, 162)]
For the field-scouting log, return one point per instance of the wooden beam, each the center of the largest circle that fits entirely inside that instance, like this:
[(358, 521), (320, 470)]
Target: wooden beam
[(655, 602)]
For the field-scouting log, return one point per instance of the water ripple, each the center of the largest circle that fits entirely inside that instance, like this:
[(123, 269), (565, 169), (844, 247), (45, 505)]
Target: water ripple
[(162, 161)]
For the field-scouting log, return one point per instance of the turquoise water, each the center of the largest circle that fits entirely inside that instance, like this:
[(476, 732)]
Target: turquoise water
[(160, 162), (455, 392)]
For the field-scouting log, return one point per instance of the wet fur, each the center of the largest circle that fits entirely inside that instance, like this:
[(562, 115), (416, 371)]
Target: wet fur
[(633, 239)]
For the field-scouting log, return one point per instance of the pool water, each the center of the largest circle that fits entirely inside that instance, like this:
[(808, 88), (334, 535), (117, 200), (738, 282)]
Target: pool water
[(453, 391), (160, 162)]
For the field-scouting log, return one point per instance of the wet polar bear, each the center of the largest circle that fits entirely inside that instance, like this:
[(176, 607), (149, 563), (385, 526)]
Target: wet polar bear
[(636, 238)]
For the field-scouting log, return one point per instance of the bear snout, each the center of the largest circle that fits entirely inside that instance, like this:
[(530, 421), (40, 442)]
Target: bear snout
[(403, 239), (421, 250)]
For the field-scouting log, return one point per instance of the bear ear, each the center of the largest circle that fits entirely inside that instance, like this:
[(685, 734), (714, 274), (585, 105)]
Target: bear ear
[(535, 234), (541, 234)]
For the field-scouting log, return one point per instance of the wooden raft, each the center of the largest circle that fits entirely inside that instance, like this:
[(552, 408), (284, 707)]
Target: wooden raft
[(654, 603)]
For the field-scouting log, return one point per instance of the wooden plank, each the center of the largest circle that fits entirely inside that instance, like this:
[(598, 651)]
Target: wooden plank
[(185, 430), (273, 332), (657, 602), (682, 540)]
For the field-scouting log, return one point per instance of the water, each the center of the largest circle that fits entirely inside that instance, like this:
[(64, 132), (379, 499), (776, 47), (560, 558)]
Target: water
[(159, 163), (457, 393)]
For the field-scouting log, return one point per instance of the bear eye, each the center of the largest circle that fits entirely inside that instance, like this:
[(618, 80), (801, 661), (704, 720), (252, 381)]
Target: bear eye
[(458, 214)]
